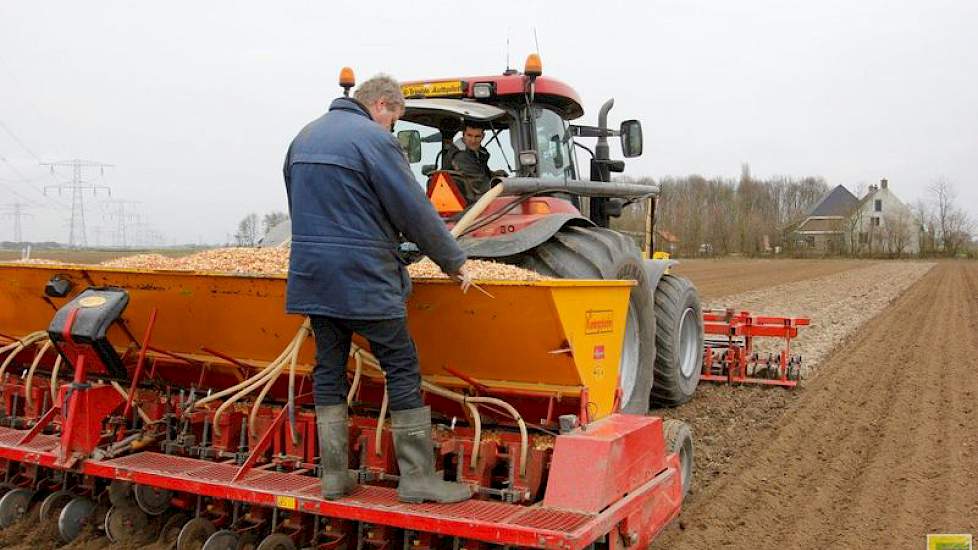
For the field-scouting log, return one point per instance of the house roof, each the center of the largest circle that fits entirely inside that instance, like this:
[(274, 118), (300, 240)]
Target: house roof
[(838, 202)]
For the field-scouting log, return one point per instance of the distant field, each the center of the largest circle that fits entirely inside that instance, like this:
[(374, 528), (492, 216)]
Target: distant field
[(724, 276), (91, 256)]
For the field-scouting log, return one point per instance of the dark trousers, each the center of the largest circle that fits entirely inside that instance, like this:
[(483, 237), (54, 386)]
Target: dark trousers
[(389, 341)]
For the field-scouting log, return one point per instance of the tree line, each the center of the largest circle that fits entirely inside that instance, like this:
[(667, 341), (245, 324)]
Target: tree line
[(718, 216), (697, 216), (946, 228)]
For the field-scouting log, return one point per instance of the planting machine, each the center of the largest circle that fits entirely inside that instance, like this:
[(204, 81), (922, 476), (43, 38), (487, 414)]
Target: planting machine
[(181, 401)]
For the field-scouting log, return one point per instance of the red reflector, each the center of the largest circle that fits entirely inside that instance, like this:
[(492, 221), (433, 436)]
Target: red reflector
[(444, 194), (599, 352)]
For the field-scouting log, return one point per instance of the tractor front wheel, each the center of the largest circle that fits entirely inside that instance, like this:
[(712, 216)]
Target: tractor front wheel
[(679, 341)]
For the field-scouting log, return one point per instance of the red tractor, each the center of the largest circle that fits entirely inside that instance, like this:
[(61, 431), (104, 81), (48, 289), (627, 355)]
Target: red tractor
[(544, 215)]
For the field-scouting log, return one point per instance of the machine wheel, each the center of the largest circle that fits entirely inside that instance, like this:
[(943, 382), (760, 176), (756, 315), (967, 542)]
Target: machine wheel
[(276, 541), (679, 439), (14, 505), (679, 341), (247, 540), (225, 539), (52, 504), (73, 517), (151, 500), (119, 492), (194, 534), (171, 529), (125, 524), (599, 253)]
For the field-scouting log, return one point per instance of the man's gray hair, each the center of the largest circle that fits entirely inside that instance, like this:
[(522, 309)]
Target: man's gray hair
[(379, 87)]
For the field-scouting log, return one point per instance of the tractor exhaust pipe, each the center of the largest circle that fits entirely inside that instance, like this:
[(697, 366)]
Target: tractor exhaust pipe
[(601, 149)]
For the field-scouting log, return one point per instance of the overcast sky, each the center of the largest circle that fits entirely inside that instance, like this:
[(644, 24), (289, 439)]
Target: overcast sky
[(195, 102)]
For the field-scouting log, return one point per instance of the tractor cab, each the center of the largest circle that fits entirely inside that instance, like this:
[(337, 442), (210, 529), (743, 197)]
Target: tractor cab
[(520, 140), (526, 122), (431, 134)]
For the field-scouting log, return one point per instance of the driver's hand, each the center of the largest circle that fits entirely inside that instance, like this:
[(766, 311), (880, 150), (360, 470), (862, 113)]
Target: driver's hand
[(463, 277)]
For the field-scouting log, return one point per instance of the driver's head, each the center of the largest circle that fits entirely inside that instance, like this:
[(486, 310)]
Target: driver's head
[(382, 96), (472, 137)]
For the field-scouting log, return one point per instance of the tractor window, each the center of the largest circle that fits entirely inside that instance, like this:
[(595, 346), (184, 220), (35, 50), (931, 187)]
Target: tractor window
[(496, 141), (500, 149), (552, 143)]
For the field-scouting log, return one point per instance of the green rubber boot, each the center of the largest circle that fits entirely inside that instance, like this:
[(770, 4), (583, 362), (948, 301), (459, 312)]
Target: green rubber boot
[(336, 480), (419, 482)]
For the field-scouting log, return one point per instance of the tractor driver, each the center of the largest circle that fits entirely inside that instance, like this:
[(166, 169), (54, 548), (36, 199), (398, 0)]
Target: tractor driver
[(472, 160)]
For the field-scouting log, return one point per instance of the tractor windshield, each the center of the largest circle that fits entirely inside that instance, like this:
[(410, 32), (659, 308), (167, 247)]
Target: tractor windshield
[(553, 143), (434, 147), (440, 124)]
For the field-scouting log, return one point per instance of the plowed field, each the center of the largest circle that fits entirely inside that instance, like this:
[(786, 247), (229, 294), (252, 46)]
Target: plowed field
[(723, 277), (878, 449)]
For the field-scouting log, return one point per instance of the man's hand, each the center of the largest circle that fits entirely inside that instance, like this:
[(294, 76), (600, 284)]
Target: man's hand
[(463, 277)]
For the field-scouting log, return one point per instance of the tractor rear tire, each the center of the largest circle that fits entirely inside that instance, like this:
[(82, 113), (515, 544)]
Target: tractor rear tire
[(679, 341), (679, 439), (598, 253)]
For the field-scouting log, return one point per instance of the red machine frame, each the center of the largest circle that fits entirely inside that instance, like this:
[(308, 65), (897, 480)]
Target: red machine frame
[(633, 488), (731, 358)]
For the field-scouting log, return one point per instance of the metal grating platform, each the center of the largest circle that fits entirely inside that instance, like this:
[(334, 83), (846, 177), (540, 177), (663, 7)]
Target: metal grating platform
[(306, 488), (42, 442)]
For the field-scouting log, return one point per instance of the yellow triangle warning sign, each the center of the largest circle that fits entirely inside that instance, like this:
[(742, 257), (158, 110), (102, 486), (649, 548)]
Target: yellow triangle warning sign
[(443, 193)]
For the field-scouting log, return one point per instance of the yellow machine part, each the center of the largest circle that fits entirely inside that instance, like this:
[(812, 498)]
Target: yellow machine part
[(552, 337)]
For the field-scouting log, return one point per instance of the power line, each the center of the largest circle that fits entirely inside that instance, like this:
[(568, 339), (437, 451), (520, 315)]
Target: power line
[(19, 141), (24, 179), (77, 186), (122, 213), (16, 211)]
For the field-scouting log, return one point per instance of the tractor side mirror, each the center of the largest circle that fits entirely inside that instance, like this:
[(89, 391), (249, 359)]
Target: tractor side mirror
[(410, 141), (631, 138)]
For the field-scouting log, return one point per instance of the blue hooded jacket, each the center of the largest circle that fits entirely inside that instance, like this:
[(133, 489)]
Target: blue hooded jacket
[(351, 194)]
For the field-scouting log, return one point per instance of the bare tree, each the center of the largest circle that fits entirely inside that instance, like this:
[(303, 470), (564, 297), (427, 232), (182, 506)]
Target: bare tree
[(897, 230), (958, 232), (942, 195), (953, 225), (247, 234), (271, 219)]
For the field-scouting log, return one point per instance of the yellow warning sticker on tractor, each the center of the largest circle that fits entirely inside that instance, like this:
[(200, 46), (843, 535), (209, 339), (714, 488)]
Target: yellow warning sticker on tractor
[(949, 542), (286, 502), (434, 89), (599, 321)]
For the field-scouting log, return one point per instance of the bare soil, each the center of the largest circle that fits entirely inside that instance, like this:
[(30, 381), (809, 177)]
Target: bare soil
[(877, 450), (725, 276)]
